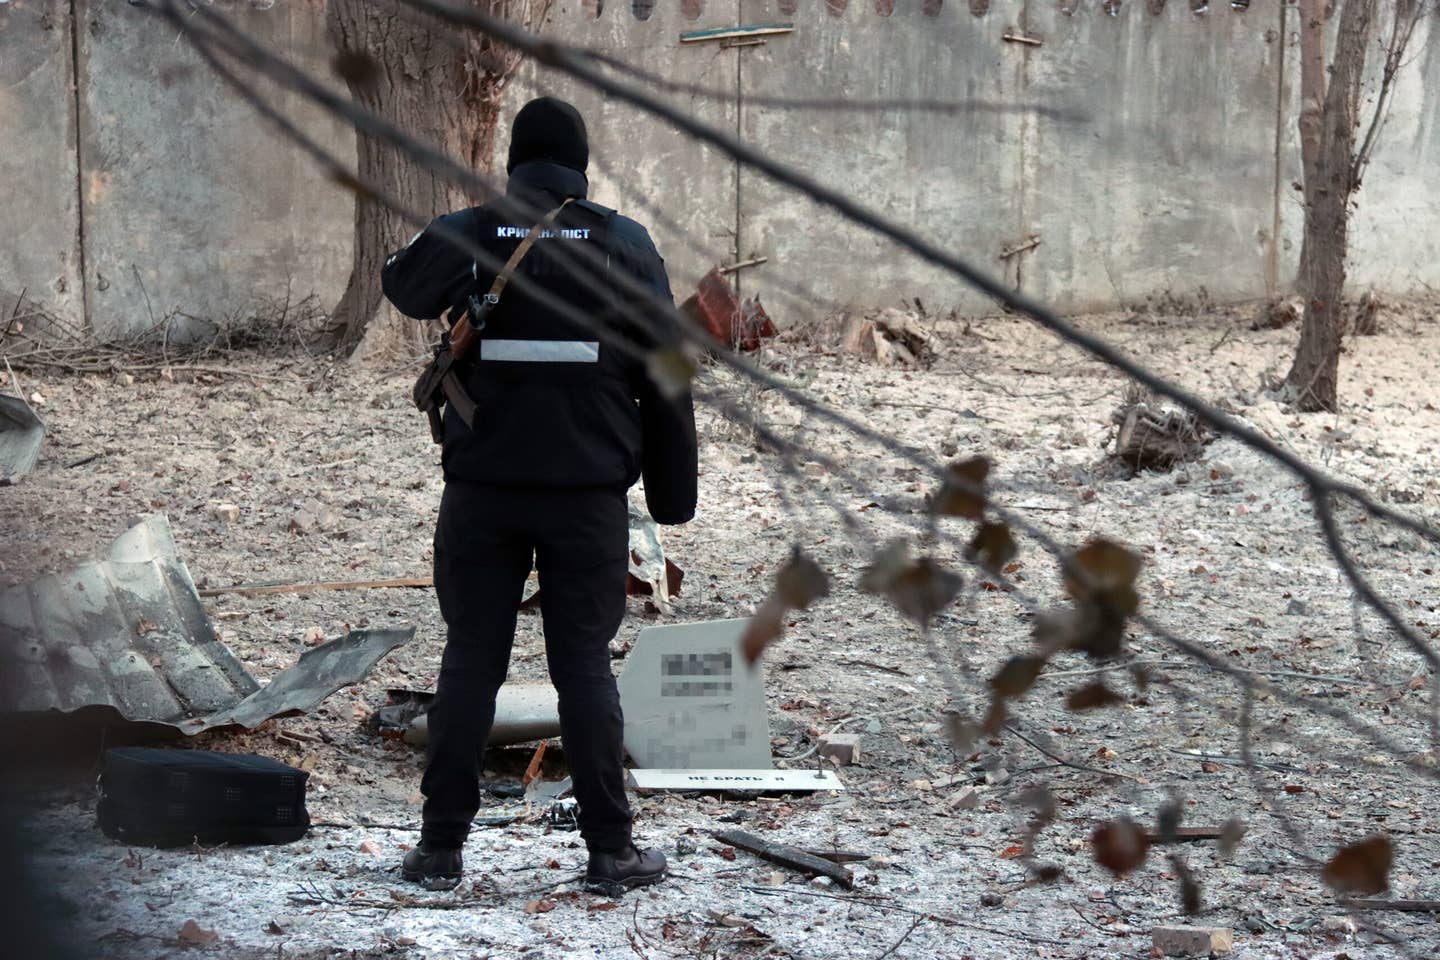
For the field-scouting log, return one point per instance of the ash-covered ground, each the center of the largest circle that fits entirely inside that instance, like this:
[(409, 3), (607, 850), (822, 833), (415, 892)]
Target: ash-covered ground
[(335, 479)]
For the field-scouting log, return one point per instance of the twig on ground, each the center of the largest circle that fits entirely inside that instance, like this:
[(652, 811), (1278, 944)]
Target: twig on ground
[(1070, 763), (903, 937)]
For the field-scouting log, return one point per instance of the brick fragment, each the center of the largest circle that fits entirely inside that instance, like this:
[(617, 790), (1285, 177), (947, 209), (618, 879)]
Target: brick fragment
[(843, 748), (1193, 941)]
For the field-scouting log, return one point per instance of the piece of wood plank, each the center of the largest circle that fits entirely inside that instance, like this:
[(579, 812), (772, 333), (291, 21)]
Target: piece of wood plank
[(839, 856), (786, 856), (728, 33), (1409, 906), (263, 589), (1188, 835)]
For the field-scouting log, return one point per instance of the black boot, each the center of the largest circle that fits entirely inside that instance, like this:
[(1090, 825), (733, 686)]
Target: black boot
[(434, 868), (612, 872)]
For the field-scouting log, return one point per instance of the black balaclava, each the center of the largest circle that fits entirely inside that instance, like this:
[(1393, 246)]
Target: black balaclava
[(549, 129)]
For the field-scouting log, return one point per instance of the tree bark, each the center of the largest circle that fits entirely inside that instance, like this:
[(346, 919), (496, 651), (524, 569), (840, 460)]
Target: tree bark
[(1328, 145), (442, 87)]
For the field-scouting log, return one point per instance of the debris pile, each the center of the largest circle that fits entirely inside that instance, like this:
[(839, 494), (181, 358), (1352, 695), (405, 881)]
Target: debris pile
[(1366, 322), (1152, 436), (1277, 312), (891, 338)]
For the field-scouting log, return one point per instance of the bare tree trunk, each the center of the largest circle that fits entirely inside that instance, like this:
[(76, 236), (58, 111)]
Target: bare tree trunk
[(443, 88), (1329, 157)]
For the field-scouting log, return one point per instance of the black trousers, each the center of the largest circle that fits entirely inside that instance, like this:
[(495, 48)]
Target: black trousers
[(485, 540)]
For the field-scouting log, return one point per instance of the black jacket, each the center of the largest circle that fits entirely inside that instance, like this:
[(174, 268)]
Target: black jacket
[(557, 405)]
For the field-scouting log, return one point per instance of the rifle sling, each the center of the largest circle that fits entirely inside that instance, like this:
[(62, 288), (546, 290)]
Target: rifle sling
[(503, 277), (453, 388)]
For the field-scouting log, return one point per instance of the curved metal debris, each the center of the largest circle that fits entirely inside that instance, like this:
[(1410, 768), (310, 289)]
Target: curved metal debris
[(21, 434), (129, 633)]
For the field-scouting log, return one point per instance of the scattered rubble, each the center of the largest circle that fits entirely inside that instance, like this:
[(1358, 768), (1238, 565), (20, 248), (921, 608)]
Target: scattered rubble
[(1366, 320), (891, 337), (1151, 435), (1277, 313)]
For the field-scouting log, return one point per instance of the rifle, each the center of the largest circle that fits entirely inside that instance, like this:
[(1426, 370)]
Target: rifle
[(440, 382)]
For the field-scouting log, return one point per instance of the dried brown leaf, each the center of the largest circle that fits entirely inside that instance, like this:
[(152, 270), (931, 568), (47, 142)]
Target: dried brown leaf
[(1092, 696), (1106, 567), (192, 933), (1042, 801), (356, 68), (962, 732), (1231, 833), (801, 582), (672, 370), (995, 718), (1167, 819), (924, 590), (1047, 873), (919, 589), (1361, 869), (1101, 577), (1016, 676), (1105, 637), (962, 494), (1120, 846), (885, 566), (1189, 885), (764, 628), (993, 547), (539, 906), (1056, 630)]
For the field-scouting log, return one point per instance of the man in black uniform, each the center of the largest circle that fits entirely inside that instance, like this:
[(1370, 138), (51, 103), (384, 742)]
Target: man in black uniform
[(565, 422)]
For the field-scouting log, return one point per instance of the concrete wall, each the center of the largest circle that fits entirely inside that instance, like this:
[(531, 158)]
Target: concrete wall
[(1177, 179), (191, 202), (39, 207)]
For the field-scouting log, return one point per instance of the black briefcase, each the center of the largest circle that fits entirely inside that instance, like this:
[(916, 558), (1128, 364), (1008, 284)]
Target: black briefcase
[(165, 798)]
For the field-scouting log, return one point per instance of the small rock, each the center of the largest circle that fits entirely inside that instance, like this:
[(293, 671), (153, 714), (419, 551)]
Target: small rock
[(815, 470), (1297, 608), (822, 881), (1338, 924), (991, 899), (1220, 470), (226, 512), (370, 847), (684, 847), (1192, 941)]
